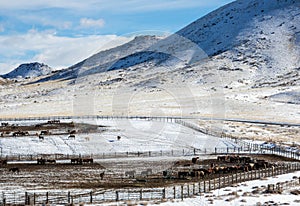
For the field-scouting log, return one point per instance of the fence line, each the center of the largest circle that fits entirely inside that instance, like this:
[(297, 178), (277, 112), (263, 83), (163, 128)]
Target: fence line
[(161, 118), (244, 147), (179, 191), (165, 153)]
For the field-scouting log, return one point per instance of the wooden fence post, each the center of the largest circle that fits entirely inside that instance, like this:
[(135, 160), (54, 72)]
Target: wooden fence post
[(47, 197), (181, 192), (34, 199), (209, 186), (141, 194), (69, 197), (91, 197), (117, 196), (199, 186), (164, 193), (26, 195), (174, 189), (194, 189)]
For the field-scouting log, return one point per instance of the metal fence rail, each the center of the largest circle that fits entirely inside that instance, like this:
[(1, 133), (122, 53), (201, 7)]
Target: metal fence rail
[(179, 191)]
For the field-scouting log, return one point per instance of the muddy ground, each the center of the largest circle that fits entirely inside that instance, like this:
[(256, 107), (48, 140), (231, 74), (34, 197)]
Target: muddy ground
[(65, 175)]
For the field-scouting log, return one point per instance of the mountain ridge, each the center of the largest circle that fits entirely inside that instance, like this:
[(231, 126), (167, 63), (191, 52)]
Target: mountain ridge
[(227, 29), (29, 70)]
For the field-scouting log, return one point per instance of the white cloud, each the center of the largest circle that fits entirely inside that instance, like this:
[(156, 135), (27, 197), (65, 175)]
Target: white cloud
[(86, 22), (44, 20), (56, 51)]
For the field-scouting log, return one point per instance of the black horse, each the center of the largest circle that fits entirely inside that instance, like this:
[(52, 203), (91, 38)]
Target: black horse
[(14, 170)]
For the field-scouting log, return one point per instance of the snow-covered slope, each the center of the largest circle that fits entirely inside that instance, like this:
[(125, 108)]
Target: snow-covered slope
[(261, 35), (29, 70), (104, 60), (230, 63)]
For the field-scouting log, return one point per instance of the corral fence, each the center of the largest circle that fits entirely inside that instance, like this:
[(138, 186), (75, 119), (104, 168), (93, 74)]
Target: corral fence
[(244, 147), (271, 151), (253, 148), (178, 191), (109, 155), (95, 117)]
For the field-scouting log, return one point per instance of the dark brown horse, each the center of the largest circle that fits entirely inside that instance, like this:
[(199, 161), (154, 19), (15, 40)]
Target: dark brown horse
[(3, 162), (194, 160), (41, 161), (51, 161), (14, 170), (71, 136), (101, 175), (88, 160), (76, 161)]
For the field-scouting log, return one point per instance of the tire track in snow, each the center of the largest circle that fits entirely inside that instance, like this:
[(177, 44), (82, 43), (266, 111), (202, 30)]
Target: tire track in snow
[(62, 148), (68, 145)]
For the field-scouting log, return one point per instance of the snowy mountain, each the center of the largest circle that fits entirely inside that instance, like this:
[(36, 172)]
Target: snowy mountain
[(29, 70), (258, 35), (240, 61), (104, 60)]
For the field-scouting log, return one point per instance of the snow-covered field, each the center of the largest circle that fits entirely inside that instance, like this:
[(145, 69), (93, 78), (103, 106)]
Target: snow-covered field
[(240, 194), (136, 136)]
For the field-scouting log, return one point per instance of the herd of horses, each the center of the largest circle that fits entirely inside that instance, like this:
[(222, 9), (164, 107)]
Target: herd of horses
[(80, 161), (16, 131), (225, 165), (43, 161), (75, 161)]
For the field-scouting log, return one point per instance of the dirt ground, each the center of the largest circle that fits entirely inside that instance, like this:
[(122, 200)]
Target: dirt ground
[(65, 175)]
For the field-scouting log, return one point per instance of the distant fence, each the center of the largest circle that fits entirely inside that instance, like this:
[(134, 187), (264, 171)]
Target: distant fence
[(162, 153), (165, 153), (179, 191), (244, 147), (253, 148), (147, 118), (260, 150), (159, 118)]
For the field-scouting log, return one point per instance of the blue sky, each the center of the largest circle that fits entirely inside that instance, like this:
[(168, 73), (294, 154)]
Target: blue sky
[(62, 32)]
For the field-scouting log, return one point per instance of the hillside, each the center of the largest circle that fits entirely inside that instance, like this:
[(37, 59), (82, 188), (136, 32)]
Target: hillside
[(103, 61), (240, 61), (261, 35), (29, 70)]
